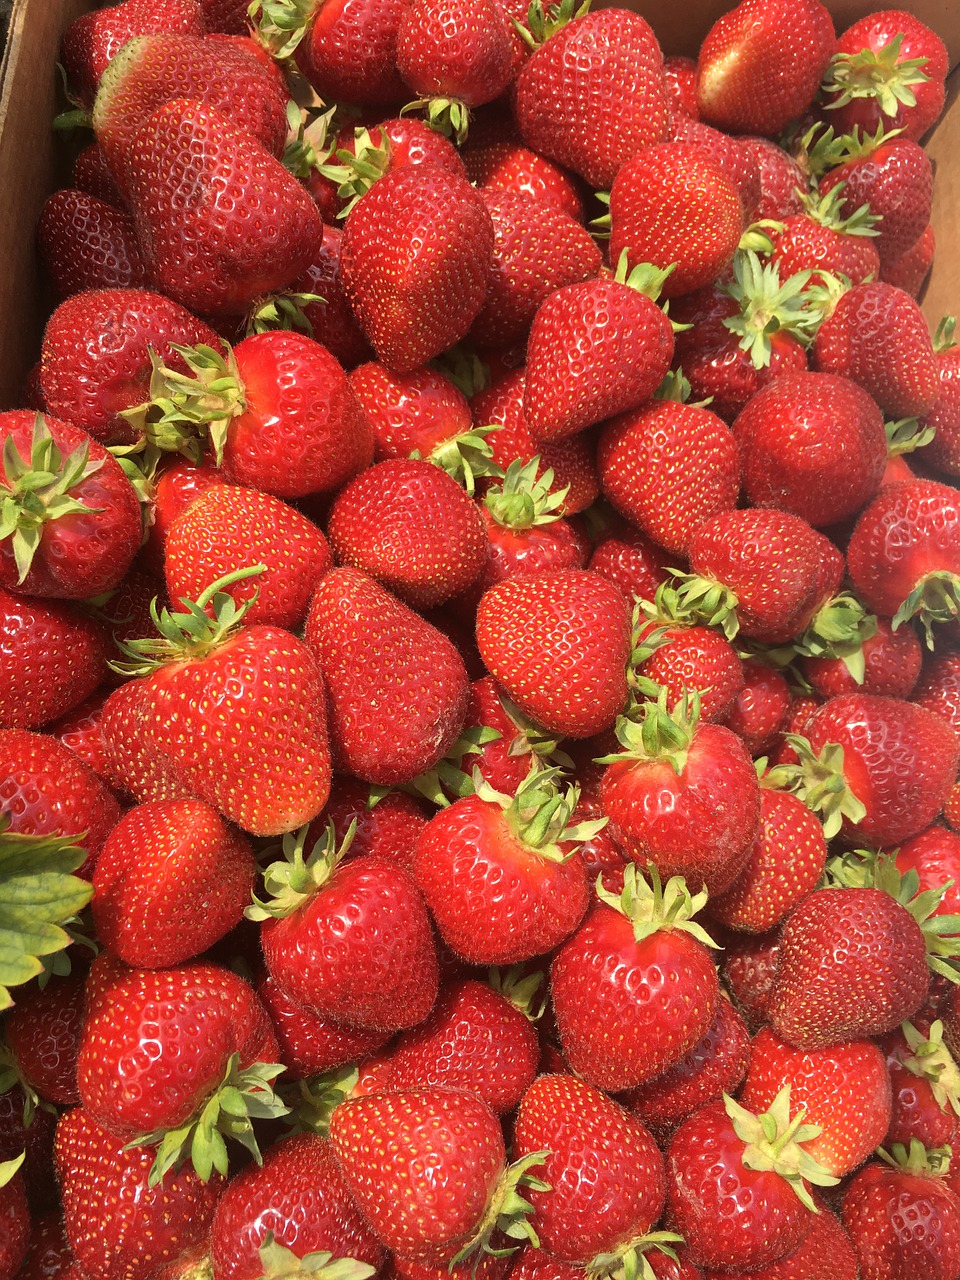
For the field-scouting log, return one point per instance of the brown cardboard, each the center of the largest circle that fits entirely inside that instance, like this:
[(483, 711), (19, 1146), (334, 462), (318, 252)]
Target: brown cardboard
[(28, 101)]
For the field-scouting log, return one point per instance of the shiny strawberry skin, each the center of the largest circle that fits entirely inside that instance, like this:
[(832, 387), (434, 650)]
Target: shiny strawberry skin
[(632, 561), (300, 1196), (805, 244), (899, 759), (726, 375), (669, 468), (892, 661), (604, 1169), (594, 94), (413, 304), (334, 323), (738, 162), (909, 272), (228, 528), (559, 644), (696, 658), (902, 1224), (748, 969), (916, 1112), (896, 180), (157, 1224), (628, 1011), (202, 255), (935, 856), (944, 449), (79, 731), (845, 1089), (759, 711), (825, 1253), (350, 52), (760, 65), (43, 1031), (132, 764), (384, 1141), (494, 899), (504, 166), (172, 879), (53, 657), (780, 176), (409, 411), (311, 1043), (86, 243), (455, 49), (852, 964), (15, 1226)]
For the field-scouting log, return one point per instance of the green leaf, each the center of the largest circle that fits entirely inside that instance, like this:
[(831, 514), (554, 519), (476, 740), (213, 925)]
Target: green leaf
[(280, 1263), (8, 1168)]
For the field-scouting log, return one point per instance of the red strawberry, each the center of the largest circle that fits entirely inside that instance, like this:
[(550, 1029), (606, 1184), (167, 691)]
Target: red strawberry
[(203, 256), (737, 161), (310, 1043), (760, 64), (43, 1033), (781, 179), (349, 52), (943, 450), (593, 94), (632, 561), (926, 1087), (88, 244), (885, 662), (132, 764), (685, 659), (171, 880), (825, 1253), (895, 178), (760, 709), (934, 855), (420, 411), (635, 988), (909, 272), (79, 732), (749, 965), (14, 1219), (831, 234), (503, 166), (559, 644), (386, 825)]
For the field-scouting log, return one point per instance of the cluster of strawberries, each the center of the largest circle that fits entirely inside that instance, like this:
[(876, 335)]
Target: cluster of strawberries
[(479, 656)]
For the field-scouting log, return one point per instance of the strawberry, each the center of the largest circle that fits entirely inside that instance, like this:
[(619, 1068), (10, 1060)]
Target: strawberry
[(681, 76), (71, 519), (878, 660), (230, 528), (738, 1183), (95, 1167), (630, 345), (350, 940), (831, 233), (262, 759), (299, 1199), (934, 855), (42, 1031), (604, 1174), (944, 450), (825, 1253), (759, 711), (749, 965), (348, 50), (635, 988), (938, 688), (384, 1142), (397, 687), (524, 845), (160, 862), (86, 243), (420, 412), (903, 554), (559, 644), (630, 560), (760, 64), (205, 258), (673, 205), (843, 1089), (669, 468), (902, 1217), (683, 659), (415, 260), (410, 526), (781, 179), (909, 272), (310, 1043), (737, 161), (49, 1254), (503, 166), (14, 1218), (53, 657), (384, 824), (593, 94), (34, 1140), (925, 1084)]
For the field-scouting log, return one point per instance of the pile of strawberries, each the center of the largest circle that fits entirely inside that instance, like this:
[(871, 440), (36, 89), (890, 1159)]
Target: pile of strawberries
[(479, 656)]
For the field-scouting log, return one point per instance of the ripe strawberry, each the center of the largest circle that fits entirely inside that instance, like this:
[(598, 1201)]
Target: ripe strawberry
[(669, 468), (14, 1219), (736, 160), (885, 662), (71, 519), (300, 1199), (86, 243), (132, 765), (925, 1085), (42, 1031), (415, 260), (630, 560), (903, 554), (683, 660), (581, 1217), (230, 528), (505, 166), (559, 644), (738, 1183), (635, 988), (943, 451), (760, 709), (593, 94), (825, 1253), (673, 205), (833, 233), (53, 657), (349, 49), (909, 272), (781, 179), (748, 968), (49, 1254), (204, 257), (843, 1089), (384, 824), (423, 412), (934, 855), (310, 1043), (161, 863), (148, 1223)]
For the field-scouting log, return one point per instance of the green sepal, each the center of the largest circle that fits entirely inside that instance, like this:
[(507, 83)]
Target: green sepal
[(508, 1213), (544, 22), (447, 777), (820, 783), (935, 598), (825, 209), (77, 118), (307, 146), (645, 277), (539, 814), (36, 490), (651, 906), (823, 149), (906, 436), (523, 500), (466, 456), (464, 368), (774, 1143), (280, 25), (38, 895), (283, 311), (11, 1077), (355, 171), (280, 1263), (924, 1162), (650, 731), (767, 306), (675, 386), (294, 879), (706, 601), (185, 412), (931, 1060), (447, 116), (316, 1099), (839, 629), (630, 1261), (193, 633), (9, 1168), (600, 226), (758, 237), (943, 339), (824, 294), (876, 74), (526, 991)]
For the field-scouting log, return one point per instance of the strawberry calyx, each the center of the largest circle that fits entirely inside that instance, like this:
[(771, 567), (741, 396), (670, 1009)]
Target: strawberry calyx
[(649, 731), (280, 25), (651, 906), (839, 629), (823, 296), (943, 339), (644, 278), (316, 1099), (183, 411), (875, 73), (767, 306), (10, 1077), (462, 366), (9, 1168), (308, 146), (906, 435), (356, 170), (930, 1060), (934, 598), (826, 211), (507, 1211), (758, 236), (467, 455), (629, 1261), (280, 1263), (242, 1096), (774, 1143), (195, 632), (293, 879), (819, 781), (36, 490), (282, 311), (526, 991), (544, 22), (706, 600), (921, 1161), (539, 814), (447, 778), (523, 500), (821, 148), (448, 116)]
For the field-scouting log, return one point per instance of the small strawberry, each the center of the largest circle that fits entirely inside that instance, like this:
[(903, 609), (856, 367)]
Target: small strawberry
[(909, 272), (507, 166), (834, 232), (86, 243), (630, 560), (825, 1253), (944, 450), (876, 659), (347, 49), (926, 1087), (781, 179), (14, 1218), (683, 660), (935, 856)]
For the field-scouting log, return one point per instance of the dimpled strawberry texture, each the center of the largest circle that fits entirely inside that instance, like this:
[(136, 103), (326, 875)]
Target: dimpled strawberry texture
[(350, 51), (88, 244), (52, 656)]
